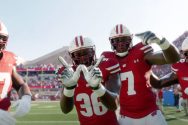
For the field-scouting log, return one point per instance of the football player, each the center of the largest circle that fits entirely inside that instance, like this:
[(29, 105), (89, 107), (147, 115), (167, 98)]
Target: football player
[(137, 101), (10, 78), (179, 75), (91, 85)]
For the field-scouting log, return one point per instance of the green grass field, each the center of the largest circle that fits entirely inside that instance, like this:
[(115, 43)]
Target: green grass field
[(49, 113)]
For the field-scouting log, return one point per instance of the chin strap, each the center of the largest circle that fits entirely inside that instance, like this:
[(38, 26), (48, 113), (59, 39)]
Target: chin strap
[(121, 54)]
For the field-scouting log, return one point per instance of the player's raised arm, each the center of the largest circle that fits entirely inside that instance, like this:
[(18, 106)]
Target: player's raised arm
[(24, 104), (169, 53), (69, 79)]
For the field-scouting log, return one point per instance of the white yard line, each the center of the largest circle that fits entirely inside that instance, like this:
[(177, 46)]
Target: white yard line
[(56, 113), (31, 122), (185, 120), (181, 119)]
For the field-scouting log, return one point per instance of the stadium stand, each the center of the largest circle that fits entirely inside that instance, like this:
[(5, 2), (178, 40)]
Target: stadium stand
[(40, 75)]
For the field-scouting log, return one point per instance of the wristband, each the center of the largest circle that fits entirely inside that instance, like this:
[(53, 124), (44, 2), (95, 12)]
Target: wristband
[(68, 92), (95, 88), (164, 44), (186, 91), (71, 87), (28, 94), (100, 91)]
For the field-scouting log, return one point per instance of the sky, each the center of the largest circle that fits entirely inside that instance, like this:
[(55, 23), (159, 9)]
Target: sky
[(38, 27)]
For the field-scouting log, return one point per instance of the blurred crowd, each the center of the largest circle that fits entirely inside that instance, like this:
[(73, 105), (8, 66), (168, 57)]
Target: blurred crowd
[(41, 80)]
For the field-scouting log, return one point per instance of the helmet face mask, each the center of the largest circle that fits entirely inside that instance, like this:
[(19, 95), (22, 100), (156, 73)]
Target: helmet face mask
[(83, 56), (3, 37), (184, 49), (121, 44), (121, 40), (82, 51), (3, 42), (185, 53)]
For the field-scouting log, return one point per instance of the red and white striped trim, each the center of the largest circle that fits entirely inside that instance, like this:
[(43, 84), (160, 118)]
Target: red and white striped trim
[(174, 70), (119, 29), (147, 49), (113, 69), (79, 41)]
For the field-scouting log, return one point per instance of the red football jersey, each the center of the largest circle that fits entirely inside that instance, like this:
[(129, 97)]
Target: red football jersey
[(89, 108), (7, 63), (136, 98), (181, 70)]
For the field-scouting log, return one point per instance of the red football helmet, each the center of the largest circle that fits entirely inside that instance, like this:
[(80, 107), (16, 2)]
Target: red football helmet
[(82, 51), (3, 36), (121, 40)]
